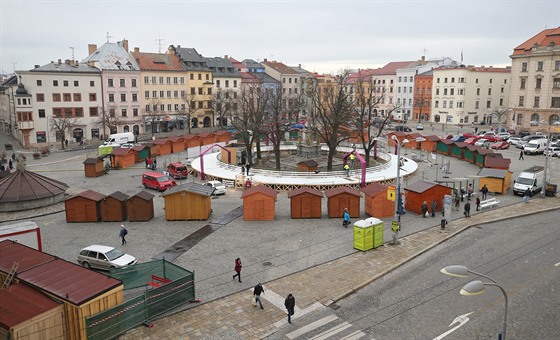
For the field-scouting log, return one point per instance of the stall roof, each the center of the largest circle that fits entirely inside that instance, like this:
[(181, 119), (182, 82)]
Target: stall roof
[(494, 173), (260, 189), (420, 186), (373, 189), (195, 188), (432, 138), (302, 190), (89, 194), (496, 162), (176, 138), (122, 151), (21, 303), (446, 141), (119, 196), (139, 147), (27, 257), (161, 141), (340, 190), (146, 196), (92, 160)]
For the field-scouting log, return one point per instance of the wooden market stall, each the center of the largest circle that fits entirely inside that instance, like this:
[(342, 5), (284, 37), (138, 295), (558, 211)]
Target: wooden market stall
[(308, 165), (140, 207), (223, 136), (207, 138), (376, 201), (430, 143), (153, 150), (122, 158), (177, 143), (497, 162), (93, 167), (496, 180), (141, 152), (192, 141), (164, 146), (469, 153), (457, 149), (420, 191), (188, 202), (259, 203), (84, 207), (443, 146), (305, 203), (481, 155), (343, 197), (113, 207)]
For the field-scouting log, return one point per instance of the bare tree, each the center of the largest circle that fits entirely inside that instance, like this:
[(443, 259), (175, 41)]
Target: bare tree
[(60, 125), (500, 112), (188, 108), (153, 113), (222, 103), (108, 120), (333, 109), (422, 101)]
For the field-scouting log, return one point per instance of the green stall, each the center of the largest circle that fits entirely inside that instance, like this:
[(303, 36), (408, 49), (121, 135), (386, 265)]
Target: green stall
[(469, 154), (457, 150), (443, 146), (142, 152)]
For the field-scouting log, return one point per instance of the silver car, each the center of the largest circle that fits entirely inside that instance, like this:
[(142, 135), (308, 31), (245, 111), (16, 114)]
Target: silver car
[(104, 257), (219, 187)]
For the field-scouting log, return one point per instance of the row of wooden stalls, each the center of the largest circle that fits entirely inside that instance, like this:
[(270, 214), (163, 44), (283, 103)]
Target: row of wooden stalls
[(48, 297), (92, 206), (121, 158)]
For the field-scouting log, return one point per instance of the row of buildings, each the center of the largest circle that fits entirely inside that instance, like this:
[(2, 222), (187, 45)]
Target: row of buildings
[(116, 90)]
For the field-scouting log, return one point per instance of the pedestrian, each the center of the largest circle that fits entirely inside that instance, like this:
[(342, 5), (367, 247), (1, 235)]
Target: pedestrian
[(470, 191), (66, 142), (347, 169), (467, 209), (10, 164), (477, 203), (521, 155), (484, 191), (13, 156), (248, 167), (476, 129), (290, 304), (424, 209), (154, 164), (257, 291), (345, 218), (434, 207), (243, 169), (122, 234), (237, 269), (528, 193), (146, 162), (457, 200)]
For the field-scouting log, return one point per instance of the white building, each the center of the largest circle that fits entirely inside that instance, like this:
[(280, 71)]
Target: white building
[(468, 94), (384, 81), (404, 95), (227, 85)]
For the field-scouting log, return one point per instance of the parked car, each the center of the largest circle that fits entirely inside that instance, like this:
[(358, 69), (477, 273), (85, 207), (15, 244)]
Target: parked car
[(219, 187), (457, 139), (523, 133), (504, 135), (514, 140), (403, 128), (104, 257), (471, 141), (552, 151), (500, 145), (157, 181), (485, 143), (419, 127), (178, 170)]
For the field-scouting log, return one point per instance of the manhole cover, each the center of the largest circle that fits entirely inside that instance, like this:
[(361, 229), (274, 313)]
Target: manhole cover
[(267, 264), (334, 306)]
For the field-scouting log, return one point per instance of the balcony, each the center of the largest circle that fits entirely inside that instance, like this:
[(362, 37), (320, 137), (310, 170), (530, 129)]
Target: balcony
[(26, 125)]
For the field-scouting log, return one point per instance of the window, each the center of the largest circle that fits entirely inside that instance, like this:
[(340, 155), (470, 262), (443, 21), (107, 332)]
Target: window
[(540, 65), (524, 67), (502, 90), (39, 82), (452, 91), (123, 97), (556, 83), (193, 105), (521, 101), (445, 92), (437, 91), (122, 82), (146, 80), (522, 83), (146, 94), (169, 94), (182, 80), (162, 107), (501, 101), (476, 80), (133, 82), (400, 79), (452, 80), (557, 65), (290, 80), (490, 81), (217, 83), (445, 80), (93, 112), (477, 105), (488, 104), (489, 92), (41, 136), (175, 80), (519, 119), (175, 94), (176, 107), (123, 112), (437, 80), (191, 76), (135, 112), (444, 104), (534, 119), (77, 97), (78, 112), (478, 92), (76, 83), (92, 97), (168, 80), (65, 83), (538, 83), (209, 91), (411, 79), (536, 101), (147, 108), (161, 80), (154, 94), (199, 76), (67, 97), (91, 83), (55, 82), (183, 93), (461, 92), (154, 80), (450, 104), (40, 97), (162, 94), (200, 104), (553, 119), (193, 91), (207, 76), (135, 97), (41, 113), (555, 103), (227, 83), (111, 97), (110, 82)]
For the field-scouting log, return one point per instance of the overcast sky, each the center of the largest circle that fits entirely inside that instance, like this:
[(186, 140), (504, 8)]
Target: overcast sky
[(322, 36)]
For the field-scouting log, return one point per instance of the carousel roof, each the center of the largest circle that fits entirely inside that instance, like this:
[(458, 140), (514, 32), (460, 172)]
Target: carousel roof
[(26, 185)]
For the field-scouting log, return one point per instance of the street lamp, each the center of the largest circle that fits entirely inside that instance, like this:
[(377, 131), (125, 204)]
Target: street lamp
[(557, 123), (397, 217), (476, 287)]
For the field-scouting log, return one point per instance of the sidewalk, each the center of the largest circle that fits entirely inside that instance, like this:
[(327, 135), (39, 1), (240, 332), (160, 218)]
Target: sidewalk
[(233, 316)]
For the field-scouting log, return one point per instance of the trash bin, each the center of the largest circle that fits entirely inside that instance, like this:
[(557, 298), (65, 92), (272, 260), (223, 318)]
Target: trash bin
[(363, 235), (443, 223), (550, 190), (377, 231)]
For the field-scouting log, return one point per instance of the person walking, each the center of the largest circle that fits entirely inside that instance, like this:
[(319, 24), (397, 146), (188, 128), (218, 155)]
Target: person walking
[(484, 191), (467, 209), (248, 167), (10, 164), (345, 218), (470, 191), (290, 304), (257, 291), (424, 209), (122, 234), (347, 169), (477, 203), (434, 208), (528, 193), (521, 155), (237, 269)]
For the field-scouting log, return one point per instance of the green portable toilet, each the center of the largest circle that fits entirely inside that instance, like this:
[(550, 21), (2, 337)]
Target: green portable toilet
[(377, 225), (105, 149), (363, 235)]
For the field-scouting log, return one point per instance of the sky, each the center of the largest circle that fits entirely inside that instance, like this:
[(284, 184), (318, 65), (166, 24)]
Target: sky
[(323, 36)]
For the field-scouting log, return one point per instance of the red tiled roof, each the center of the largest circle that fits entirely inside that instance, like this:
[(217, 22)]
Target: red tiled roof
[(432, 138), (341, 190), (361, 76), (121, 151), (280, 67), (157, 61), (302, 190), (176, 138), (392, 67), (21, 303), (161, 141), (138, 147), (146, 196), (497, 163), (262, 189), (541, 39)]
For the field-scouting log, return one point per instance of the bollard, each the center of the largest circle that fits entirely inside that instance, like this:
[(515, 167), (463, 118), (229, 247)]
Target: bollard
[(443, 223)]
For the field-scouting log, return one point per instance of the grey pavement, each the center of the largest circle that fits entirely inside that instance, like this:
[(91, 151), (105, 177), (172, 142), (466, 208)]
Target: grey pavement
[(276, 253)]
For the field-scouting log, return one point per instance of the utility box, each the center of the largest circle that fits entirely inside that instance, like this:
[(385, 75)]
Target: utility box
[(363, 235)]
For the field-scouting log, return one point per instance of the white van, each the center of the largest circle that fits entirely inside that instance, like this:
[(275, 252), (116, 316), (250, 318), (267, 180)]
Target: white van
[(532, 178), (535, 146), (120, 138)]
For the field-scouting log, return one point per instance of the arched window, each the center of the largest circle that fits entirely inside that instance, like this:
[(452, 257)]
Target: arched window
[(206, 122), (534, 119), (553, 120), (136, 130), (126, 128), (520, 119)]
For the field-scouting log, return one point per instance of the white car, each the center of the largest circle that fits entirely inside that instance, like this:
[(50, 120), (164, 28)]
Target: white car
[(219, 187), (485, 143), (552, 151), (514, 140), (104, 257), (419, 127)]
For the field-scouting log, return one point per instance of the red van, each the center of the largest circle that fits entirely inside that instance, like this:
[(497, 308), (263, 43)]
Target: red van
[(157, 181), (178, 170)]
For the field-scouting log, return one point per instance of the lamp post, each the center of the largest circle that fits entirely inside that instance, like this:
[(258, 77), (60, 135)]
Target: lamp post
[(477, 287)]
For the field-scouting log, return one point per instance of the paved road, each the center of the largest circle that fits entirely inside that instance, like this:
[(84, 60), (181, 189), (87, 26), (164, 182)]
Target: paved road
[(418, 302)]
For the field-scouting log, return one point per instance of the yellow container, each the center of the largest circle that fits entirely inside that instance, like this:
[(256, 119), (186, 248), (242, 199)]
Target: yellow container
[(377, 225), (363, 235)]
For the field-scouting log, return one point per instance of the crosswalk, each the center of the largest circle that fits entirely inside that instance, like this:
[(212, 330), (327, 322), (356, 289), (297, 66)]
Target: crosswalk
[(329, 327)]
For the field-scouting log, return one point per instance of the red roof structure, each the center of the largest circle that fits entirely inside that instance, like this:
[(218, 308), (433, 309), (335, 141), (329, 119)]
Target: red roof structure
[(302, 190), (280, 67), (26, 185), (260, 189), (91, 195), (11, 251), (157, 61), (392, 67), (21, 303), (542, 39)]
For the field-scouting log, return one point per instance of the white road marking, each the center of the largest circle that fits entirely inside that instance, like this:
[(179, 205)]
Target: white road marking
[(332, 331), (461, 320), (311, 326), (557, 264), (354, 336)]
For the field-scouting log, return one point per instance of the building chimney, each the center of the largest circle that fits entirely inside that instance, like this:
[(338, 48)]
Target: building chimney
[(226, 56), (59, 61), (125, 44), (91, 48), (67, 61), (265, 60), (137, 50), (36, 66)]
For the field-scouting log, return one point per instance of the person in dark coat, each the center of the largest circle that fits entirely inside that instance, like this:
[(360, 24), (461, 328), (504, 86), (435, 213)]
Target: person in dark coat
[(434, 208), (477, 203), (468, 209), (484, 191), (424, 208), (528, 193), (290, 304), (122, 234), (521, 155), (237, 269), (257, 291)]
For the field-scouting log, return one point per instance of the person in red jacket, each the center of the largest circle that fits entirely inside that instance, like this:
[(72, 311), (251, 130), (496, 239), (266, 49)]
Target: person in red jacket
[(237, 269)]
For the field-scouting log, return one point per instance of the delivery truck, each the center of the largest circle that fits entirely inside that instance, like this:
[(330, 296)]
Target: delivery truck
[(532, 178), (120, 138), (26, 233)]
